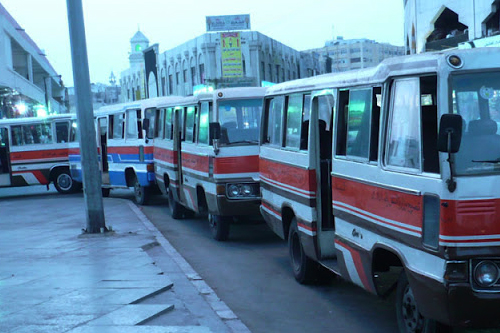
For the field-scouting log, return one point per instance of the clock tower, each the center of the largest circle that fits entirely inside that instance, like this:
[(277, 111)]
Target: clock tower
[(138, 43)]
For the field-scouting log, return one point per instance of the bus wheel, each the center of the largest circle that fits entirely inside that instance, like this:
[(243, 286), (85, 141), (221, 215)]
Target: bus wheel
[(408, 316), (305, 270), (64, 183), (175, 208), (141, 193), (219, 225), (105, 192)]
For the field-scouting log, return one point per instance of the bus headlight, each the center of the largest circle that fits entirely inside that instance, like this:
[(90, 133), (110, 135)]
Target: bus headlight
[(233, 190), (486, 273), (242, 191)]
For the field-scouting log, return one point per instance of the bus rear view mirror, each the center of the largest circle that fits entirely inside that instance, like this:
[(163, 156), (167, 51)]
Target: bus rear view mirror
[(214, 129), (145, 124), (450, 133)]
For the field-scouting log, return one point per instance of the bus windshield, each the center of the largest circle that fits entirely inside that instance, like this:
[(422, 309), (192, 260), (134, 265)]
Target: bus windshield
[(240, 121), (476, 97)]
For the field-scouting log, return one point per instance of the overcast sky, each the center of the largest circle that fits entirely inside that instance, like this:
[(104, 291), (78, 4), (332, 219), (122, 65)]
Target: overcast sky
[(110, 24)]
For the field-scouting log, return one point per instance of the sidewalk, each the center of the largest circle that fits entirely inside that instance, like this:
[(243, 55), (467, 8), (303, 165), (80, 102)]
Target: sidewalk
[(53, 278)]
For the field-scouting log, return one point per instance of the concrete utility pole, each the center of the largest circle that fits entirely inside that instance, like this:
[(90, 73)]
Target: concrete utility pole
[(85, 116)]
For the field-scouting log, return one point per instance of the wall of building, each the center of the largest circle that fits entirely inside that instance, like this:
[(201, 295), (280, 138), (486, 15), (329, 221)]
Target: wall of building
[(26, 76), (422, 17)]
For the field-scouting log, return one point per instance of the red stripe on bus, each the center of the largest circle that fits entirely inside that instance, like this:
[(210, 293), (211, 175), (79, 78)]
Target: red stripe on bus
[(236, 164), (129, 150), (397, 206), (37, 173), (38, 154), (469, 218), (356, 257), (289, 175), (195, 162), (165, 155)]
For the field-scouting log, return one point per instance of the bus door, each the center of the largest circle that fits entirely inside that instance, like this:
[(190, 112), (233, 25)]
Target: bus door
[(4, 157), (102, 130), (178, 119), (322, 106)]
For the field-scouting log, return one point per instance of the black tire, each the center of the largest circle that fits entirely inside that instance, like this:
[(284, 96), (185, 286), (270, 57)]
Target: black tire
[(141, 193), (219, 226), (305, 270), (409, 318), (64, 183), (105, 192), (175, 208)]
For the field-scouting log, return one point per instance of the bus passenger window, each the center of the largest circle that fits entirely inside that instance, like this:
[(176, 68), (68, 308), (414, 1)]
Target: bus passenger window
[(275, 120), (204, 122), (159, 123), (17, 136), (190, 115), (404, 125), (131, 125), (117, 122), (44, 133), (293, 121), (358, 123), (304, 131), (168, 124), (62, 132)]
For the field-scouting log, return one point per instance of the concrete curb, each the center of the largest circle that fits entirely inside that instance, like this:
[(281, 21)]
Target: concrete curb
[(221, 309)]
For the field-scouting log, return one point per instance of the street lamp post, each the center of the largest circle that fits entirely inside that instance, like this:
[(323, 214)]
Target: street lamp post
[(85, 116)]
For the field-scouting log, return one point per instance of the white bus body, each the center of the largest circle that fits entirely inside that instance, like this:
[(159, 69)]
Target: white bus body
[(34, 151), (198, 175), (351, 175)]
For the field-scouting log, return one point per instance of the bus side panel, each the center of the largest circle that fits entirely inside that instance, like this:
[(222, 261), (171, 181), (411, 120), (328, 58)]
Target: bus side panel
[(287, 185)]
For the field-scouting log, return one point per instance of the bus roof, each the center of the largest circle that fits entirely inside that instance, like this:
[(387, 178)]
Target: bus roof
[(31, 120), (397, 66)]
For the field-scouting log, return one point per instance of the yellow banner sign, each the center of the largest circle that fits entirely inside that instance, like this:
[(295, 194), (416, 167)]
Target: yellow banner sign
[(230, 43)]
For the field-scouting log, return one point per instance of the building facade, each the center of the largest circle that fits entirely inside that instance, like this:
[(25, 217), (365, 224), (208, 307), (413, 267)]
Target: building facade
[(29, 85), (340, 55), (436, 25), (198, 63)]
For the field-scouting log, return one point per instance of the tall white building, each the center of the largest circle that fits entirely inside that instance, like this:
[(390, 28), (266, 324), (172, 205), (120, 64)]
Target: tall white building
[(29, 85), (435, 25), (339, 55), (197, 62)]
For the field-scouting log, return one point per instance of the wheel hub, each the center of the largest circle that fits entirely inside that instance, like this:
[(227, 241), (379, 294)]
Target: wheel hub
[(412, 318)]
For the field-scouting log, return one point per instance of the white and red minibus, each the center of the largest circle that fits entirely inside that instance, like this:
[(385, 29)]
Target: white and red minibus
[(206, 155), (125, 154), (390, 177), (34, 151)]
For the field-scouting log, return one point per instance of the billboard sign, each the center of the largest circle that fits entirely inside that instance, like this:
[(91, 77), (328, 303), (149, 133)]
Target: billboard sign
[(228, 22), (230, 43)]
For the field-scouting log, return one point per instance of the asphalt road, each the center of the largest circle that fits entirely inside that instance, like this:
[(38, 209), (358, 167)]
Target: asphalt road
[(251, 273)]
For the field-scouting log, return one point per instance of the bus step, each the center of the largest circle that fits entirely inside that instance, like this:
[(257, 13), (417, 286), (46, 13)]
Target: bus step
[(331, 264)]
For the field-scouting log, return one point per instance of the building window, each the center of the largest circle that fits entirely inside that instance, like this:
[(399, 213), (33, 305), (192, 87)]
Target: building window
[(262, 71), (193, 76), (202, 73)]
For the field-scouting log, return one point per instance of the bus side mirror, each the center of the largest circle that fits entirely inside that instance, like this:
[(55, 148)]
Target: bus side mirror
[(214, 129), (450, 133), (145, 124)]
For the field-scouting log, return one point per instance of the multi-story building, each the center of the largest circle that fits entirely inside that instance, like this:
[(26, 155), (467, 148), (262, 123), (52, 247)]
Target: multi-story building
[(101, 94), (198, 63), (339, 55), (29, 85), (431, 25)]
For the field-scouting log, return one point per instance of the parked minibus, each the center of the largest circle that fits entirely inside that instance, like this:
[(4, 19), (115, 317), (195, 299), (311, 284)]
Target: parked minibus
[(34, 151), (390, 178), (206, 155), (125, 154)]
